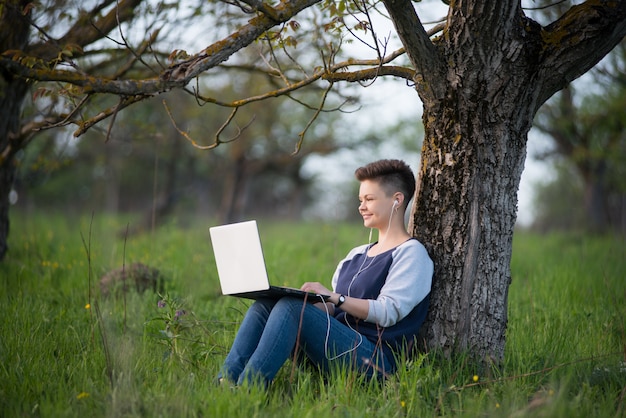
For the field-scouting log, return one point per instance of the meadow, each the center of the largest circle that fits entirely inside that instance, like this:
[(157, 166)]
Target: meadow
[(67, 351)]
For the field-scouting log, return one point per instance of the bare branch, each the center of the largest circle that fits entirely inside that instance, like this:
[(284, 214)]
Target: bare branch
[(364, 9), (278, 70), (136, 56), (218, 140), (221, 129), (308, 125), (179, 75), (66, 119), (116, 109), (338, 108), (185, 134), (266, 9), (123, 103)]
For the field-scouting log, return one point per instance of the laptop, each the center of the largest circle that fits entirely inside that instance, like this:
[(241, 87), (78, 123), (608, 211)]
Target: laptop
[(241, 265)]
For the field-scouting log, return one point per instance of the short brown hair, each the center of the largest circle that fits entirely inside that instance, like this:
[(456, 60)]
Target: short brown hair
[(393, 176)]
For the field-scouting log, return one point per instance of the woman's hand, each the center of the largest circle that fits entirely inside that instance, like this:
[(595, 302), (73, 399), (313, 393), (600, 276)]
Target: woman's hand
[(316, 287), (354, 306), (320, 289)]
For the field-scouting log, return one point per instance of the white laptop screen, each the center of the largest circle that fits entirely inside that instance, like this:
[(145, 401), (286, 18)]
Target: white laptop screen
[(239, 258)]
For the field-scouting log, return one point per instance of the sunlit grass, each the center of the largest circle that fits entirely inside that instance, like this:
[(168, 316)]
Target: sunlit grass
[(65, 351)]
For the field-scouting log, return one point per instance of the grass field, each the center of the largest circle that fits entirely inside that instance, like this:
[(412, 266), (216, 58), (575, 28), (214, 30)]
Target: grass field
[(65, 351)]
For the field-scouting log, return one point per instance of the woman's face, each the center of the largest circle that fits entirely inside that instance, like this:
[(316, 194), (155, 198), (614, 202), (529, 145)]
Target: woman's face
[(376, 206)]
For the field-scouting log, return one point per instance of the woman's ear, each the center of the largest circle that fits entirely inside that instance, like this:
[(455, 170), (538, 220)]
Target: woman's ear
[(399, 198)]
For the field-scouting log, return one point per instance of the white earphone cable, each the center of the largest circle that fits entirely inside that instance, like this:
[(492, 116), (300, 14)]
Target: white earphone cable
[(359, 271)]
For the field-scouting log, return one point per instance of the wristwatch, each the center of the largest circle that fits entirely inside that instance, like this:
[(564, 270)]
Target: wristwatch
[(340, 301)]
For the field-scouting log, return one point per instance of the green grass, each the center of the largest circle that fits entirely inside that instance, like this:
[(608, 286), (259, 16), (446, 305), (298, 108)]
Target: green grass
[(564, 356)]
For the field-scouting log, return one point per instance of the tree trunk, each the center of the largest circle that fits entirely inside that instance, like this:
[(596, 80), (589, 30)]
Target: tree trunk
[(595, 197), (465, 211), (481, 84), (234, 192), (466, 200), (476, 121), (12, 93), (7, 174), (13, 35)]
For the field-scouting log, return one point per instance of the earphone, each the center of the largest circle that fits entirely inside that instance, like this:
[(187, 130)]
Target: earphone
[(396, 204)]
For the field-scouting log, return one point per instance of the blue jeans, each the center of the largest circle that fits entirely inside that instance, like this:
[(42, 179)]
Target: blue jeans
[(269, 332)]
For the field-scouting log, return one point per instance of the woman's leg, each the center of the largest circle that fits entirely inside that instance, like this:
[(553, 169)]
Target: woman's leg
[(268, 336), (291, 316), (247, 339), (329, 343), (276, 342)]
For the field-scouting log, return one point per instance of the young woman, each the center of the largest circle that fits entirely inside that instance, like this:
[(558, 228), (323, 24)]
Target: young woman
[(378, 301)]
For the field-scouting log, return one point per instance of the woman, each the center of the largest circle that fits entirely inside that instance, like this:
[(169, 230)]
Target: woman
[(378, 302)]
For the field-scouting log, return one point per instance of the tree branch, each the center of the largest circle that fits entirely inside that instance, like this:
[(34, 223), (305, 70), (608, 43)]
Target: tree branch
[(371, 74), (330, 74), (220, 51), (123, 103), (428, 63), (578, 41), (217, 139), (315, 116), (82, 34), (264, 8)]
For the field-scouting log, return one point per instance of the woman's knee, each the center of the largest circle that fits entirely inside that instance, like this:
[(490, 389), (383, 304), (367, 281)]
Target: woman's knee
[(262, 305), (290, 304)]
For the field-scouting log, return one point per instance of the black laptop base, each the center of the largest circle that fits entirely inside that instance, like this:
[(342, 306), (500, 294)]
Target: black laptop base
[(275, 292)]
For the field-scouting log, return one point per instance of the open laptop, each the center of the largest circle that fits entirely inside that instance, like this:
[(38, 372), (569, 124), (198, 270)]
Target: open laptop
[(241, 266)]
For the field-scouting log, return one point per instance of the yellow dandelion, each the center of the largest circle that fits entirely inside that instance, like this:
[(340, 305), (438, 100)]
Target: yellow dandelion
[(403, 404), (497, 405), (475, 378), (82, 395), (88, 306)]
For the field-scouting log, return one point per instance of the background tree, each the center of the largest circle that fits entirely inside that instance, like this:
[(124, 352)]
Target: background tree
[(588, 126), (46, 40), (481, 83)]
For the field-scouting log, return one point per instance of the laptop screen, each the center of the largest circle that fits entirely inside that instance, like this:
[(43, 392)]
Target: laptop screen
[(239, 258)]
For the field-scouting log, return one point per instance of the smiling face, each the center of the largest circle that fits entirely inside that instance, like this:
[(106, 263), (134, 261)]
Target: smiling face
[(376, 205)]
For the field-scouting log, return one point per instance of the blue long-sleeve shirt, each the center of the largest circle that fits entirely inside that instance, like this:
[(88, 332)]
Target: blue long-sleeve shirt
[(396, 284)]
